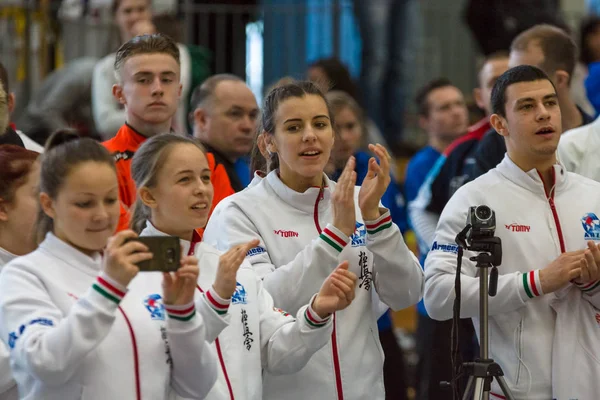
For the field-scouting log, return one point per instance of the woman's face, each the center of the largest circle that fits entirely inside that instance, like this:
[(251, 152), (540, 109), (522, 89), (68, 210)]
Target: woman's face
[(86, 208), (350, 133), (303, 140), (21, 213), (182, 198), (128, 14)]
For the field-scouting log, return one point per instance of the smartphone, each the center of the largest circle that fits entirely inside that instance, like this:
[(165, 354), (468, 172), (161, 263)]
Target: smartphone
[(166, 252)]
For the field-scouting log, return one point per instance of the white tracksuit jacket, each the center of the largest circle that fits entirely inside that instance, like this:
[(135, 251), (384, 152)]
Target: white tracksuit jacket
[(299, 247), (8, 386), (259, 336), (535, 229), (76, 334)]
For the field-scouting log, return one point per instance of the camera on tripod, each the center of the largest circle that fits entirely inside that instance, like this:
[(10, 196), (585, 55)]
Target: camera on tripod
[(478, 235)]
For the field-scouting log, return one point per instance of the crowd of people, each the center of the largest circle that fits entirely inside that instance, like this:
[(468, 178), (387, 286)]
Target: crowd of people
[(292, 225)]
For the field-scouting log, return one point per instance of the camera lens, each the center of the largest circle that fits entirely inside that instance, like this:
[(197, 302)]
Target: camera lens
[(483, 213), (170, 256)]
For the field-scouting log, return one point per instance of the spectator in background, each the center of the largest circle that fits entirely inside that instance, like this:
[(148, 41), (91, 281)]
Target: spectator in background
[(450, 171), (8, 132), (589, 43), (148, 72), (62, 101), (134, 17), (444, 117), (349, 127), (553, 51), (332, 74), (225, 114), (387, 29)]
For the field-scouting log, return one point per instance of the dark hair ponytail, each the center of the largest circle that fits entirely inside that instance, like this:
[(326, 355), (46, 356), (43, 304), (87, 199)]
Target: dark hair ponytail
[(64, 150)]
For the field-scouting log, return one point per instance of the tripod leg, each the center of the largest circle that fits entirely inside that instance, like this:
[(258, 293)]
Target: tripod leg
[(479, 393), (504, 387), (468, 388)]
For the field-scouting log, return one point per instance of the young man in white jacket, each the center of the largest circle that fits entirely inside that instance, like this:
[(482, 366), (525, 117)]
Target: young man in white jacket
[(547, 220), (307, 225)]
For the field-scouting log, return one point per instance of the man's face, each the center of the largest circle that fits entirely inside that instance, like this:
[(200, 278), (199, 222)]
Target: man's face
[(490, 72), (150, 88), (448, 115), (228, 122), (532, 125)]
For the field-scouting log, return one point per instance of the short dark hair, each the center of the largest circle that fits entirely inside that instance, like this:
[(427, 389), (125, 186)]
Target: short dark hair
[(146, 44), (338, 76), (560, 51), (4, 78), (521, 73), (422, 97), (589, 26), (204, 92)]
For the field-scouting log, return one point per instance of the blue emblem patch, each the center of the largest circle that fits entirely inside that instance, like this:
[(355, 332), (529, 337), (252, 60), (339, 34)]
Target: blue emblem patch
[(359, 237), (239, 296), (447, 248), (154, 304), (591, 226), (13, 336)]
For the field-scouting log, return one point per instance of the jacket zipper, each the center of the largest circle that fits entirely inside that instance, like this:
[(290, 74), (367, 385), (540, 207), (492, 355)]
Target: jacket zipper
[(550, 197), (220, 354), (136, 361), (334, 347)]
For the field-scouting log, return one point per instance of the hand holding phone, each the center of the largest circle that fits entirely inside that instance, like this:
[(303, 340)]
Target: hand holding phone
[(123, 255), (166, 253)]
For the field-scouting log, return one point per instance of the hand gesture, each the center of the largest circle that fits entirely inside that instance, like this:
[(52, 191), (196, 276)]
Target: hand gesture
[(229, 263), (591, 271), (337, 292), (120, 257), (179, 287), (560, 272), (342, 200), (375, 183)]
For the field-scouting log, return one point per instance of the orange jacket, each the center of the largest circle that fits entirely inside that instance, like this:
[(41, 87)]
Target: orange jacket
[(124, 145)]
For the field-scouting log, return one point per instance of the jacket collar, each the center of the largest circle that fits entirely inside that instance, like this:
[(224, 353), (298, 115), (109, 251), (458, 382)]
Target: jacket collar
[(595, 134), (150, 230), (6, 257), (70, 255), (531, 180), (302, 201)]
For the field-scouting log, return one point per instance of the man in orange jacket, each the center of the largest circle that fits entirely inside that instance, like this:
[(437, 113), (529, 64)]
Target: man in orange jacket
[(148, 85)]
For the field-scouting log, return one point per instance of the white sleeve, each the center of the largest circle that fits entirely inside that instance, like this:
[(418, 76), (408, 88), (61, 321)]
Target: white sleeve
[(213, 310), (43, 341), (194, 365), (6, 376), (423, 222), (571, 148), (288, 343), (397, 273), (292, 284), (108, 116), (514, 289), (591, 292)]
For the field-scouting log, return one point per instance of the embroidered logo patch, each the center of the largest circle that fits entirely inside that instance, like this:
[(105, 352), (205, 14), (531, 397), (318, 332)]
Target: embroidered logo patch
[(256, 251), (285, 234), (239, 296), (518, 228), (359, 237), (591, 226), (155, 306), (447, 248)]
